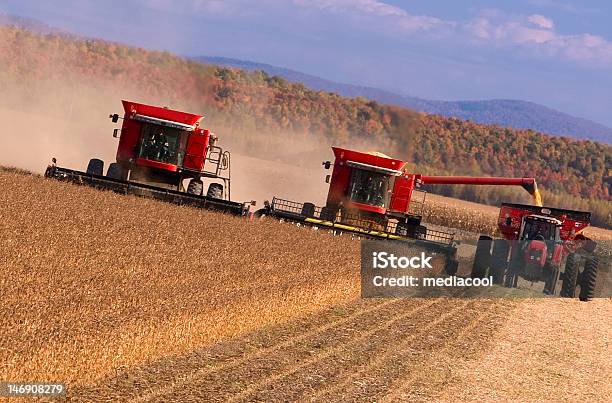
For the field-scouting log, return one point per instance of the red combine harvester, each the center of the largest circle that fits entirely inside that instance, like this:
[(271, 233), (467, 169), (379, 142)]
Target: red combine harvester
[(159, 150), (538, 242), (374, 196)]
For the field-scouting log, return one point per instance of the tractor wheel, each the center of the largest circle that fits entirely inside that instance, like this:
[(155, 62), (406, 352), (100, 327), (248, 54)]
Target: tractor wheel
[(499, 261), (550, 284), (95, 167), (482, 259), (215, 191), (115, 171), (451, 267), (308, 210), (570, 277), (588, 279), (195, 187)]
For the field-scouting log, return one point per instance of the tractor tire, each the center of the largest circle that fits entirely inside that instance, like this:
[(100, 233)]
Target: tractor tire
[(451, 267), (499, 261), (328, 214), (570, 277), (588, 279), (215, 191), (308, 210), (550, 284), (195, 187), (482, 259), (115, 171), (95, 167)]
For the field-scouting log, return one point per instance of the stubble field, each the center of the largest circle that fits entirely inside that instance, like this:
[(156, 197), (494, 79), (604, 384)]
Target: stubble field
[(131, 299)]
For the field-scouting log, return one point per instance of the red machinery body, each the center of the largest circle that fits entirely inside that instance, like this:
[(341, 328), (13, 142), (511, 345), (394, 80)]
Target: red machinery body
[(376, 184), (189, 142), (511, 217), (540, 244)]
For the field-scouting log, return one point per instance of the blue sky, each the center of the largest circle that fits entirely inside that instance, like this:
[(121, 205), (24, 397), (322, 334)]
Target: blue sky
[(554, 52)]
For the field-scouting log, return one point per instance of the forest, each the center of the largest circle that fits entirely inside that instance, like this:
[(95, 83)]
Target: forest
[(572, 174)]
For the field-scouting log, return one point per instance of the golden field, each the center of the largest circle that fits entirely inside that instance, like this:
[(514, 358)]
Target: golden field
[(123, 297), (93, 282)]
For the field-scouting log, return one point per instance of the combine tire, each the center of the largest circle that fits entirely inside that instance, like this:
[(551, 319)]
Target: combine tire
[(115, 171), (499, 261), (588, 279), (482, 259), (95, 167), (570, 277), (308, 210), (215, 191), (328, 214), (401, 229), (195, 187)]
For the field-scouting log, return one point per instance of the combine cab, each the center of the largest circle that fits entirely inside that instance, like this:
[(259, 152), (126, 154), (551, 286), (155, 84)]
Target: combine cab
[(375, 196), (538, 243), (160, 150)]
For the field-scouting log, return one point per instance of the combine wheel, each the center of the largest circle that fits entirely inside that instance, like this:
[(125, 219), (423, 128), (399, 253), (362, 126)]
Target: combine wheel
[(215, 191), (95, 167), (328, 214), (308, 210), (588, 279), (482, 259), (401, 229), (195, 187), (499, 261), (115, 171), (570, 277)]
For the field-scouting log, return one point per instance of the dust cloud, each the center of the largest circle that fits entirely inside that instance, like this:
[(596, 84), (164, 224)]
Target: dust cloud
[(68, 120)]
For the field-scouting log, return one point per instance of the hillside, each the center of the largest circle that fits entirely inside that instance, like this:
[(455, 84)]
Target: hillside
[(510, 113), (81, 80)]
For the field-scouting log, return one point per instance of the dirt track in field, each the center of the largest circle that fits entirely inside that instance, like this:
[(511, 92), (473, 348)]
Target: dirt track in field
[(363, 350), (394, 350)]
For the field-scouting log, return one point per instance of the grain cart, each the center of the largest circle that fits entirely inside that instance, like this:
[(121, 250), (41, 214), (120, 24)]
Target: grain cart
[(159, 150), (375, 196), (538, 242)]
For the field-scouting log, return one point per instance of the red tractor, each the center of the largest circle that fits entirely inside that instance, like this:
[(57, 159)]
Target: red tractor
[(538, 242), (159, 150)]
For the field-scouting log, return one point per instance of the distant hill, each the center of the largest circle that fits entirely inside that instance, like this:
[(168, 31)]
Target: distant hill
[(504, 112)]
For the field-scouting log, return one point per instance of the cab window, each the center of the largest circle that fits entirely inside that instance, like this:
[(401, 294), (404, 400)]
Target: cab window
[(369, 187)]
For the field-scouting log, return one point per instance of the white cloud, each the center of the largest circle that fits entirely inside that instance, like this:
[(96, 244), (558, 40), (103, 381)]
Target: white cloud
[(388, 15), (541, 21), (537, 33)]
